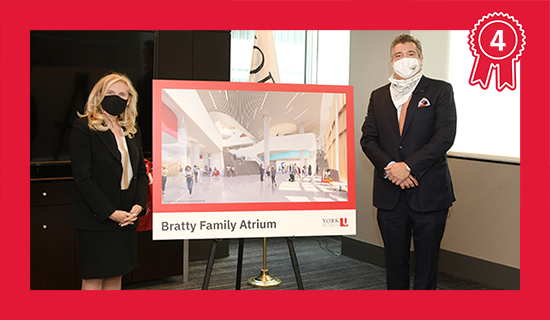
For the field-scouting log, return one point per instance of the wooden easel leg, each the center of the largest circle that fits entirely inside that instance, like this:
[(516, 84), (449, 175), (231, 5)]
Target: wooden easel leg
[(240, 264), (294, 260), (210, 264)]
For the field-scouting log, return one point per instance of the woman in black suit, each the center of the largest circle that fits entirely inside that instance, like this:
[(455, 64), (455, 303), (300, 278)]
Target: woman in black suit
[(111, 183)]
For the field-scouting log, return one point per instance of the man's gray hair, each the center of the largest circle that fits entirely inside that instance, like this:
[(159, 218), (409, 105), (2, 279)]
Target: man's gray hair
[(404, 38)]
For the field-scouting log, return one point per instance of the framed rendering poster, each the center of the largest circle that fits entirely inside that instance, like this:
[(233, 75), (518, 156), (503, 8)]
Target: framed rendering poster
[(237, 160)]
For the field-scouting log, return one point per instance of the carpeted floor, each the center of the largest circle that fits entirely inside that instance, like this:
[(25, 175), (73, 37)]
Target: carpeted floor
[(322, 267)]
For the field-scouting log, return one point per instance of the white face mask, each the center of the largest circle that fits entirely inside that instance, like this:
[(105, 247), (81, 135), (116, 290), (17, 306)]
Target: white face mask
[(406, 67)]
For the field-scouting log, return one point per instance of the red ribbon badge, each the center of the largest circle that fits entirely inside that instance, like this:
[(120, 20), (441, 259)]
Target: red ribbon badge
[(496, 41)]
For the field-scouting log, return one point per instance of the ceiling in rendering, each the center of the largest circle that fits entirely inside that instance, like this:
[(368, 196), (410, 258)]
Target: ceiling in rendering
[(286, 110)]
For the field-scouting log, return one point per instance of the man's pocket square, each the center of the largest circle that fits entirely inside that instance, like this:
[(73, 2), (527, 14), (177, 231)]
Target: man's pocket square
[(423, 103)]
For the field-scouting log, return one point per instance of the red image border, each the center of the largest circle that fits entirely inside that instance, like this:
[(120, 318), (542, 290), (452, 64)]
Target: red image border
[(18, 18)]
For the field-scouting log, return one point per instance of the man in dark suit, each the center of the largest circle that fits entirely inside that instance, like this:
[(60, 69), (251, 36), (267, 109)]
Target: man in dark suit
[(410, 125)]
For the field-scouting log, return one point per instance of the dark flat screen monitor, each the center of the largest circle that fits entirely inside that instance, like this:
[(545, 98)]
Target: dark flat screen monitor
[(64, 67)]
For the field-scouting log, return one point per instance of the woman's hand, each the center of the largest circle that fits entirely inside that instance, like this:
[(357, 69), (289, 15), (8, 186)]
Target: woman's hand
[(136, 210), (124, 218)]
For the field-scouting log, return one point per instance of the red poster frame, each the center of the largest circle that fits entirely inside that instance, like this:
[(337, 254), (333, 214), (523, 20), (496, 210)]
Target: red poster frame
[(158, 206)]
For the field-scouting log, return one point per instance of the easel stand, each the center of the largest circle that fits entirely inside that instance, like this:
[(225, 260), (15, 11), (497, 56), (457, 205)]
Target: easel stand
[(214, 247)]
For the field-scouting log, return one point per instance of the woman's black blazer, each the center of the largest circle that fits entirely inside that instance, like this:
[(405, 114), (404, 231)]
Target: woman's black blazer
[(97, 171)]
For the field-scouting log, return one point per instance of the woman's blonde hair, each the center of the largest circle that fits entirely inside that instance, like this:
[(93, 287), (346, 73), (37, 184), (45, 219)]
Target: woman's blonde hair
[(94, 111)]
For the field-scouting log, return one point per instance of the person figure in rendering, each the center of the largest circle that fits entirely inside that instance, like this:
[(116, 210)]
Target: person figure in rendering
[(262, 171), (189, 179), (273, 176), (196, 173), (409, 127), (111, 183), (164, 177), (326, 175)]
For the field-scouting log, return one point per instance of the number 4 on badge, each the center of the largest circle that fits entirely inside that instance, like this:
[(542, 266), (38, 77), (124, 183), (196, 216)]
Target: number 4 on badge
[(497, 40)]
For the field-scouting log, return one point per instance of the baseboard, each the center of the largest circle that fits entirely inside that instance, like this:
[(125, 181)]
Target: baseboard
[(457, 264), (479, 270), (363, 251)]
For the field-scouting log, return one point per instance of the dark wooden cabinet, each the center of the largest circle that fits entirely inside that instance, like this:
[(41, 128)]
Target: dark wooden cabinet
[(55, 264), (53, 242), (53, 250)]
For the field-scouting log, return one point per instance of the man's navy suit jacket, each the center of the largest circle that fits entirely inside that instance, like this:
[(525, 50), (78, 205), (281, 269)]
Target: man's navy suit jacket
[(428, 134)]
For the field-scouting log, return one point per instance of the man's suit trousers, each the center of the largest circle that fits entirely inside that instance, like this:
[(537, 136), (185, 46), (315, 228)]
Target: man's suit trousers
[(396, 227)]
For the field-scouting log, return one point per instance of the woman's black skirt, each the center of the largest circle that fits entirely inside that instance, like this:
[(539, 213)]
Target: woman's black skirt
[(107, 254)]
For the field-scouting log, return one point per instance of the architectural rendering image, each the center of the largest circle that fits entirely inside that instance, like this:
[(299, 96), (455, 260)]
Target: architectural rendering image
[(235, 146)]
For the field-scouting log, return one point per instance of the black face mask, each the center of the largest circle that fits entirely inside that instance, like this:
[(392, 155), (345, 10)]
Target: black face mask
[(114, 105)]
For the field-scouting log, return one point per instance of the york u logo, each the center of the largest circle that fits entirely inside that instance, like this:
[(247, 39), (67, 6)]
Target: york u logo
[(335, 222), (344, 222)]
